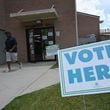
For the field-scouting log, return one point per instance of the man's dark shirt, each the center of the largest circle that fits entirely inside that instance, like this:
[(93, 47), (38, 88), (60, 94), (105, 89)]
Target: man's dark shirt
[(10, 42)]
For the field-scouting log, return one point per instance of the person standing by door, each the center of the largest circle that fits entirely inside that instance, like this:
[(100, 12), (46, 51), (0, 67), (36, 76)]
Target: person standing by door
[(11, 51)]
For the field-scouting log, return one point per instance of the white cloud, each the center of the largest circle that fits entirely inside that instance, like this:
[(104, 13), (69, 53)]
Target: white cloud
[(96, 7), (91, 7), (108, 17), (108, 20)]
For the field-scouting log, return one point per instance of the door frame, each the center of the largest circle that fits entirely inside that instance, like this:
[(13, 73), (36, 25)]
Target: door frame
[(27, 41)]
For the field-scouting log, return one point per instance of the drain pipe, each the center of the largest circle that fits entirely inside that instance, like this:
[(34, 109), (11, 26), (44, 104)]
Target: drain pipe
[(76, 25)]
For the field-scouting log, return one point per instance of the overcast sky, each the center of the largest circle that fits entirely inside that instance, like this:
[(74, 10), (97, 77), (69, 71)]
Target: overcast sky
[(96, 7)]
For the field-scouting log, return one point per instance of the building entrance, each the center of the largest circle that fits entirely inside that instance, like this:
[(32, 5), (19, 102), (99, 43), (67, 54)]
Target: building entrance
[(37, 40)]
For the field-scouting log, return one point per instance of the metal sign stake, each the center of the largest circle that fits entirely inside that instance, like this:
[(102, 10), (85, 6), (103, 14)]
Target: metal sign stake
[(84, 101)]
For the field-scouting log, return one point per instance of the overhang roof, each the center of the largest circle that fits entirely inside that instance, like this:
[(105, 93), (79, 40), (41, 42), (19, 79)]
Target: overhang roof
[(35, 15)]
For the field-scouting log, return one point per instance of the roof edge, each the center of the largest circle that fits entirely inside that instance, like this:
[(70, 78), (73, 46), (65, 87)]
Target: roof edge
[(86, 14)]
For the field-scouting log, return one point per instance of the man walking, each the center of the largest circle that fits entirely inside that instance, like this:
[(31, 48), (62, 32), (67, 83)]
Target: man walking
[(11, 51)]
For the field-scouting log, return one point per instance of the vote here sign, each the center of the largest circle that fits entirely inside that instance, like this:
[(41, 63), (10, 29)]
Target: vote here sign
[(85, 69)]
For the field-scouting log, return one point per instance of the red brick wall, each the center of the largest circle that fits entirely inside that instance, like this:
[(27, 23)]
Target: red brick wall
[(87, 24), (65, 22), (2, 14)]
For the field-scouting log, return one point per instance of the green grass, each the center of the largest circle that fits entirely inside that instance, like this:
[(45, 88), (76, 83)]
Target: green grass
[(50, 99), (54, 66)]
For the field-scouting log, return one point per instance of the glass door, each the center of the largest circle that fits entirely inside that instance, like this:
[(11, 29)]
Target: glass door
[(30, 45), (38, 44), (37, 40), (48, 39)]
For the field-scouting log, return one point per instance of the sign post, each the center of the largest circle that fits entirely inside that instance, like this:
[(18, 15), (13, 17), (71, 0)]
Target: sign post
[(84, 101), (85, 69)]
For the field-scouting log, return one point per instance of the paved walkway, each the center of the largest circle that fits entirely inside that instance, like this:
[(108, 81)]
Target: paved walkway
[(30, 78)]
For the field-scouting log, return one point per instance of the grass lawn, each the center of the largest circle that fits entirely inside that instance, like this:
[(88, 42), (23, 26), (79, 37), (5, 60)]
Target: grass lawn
[(54, 66), (50, 99)]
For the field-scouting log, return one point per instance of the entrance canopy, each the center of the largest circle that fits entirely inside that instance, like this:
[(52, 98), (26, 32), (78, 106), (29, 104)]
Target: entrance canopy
[(35, 15)]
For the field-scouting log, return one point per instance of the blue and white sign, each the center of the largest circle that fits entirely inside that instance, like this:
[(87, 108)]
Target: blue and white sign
[(85, 69)]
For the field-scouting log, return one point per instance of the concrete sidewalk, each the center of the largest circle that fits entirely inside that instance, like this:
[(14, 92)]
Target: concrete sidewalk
[(30, 78)]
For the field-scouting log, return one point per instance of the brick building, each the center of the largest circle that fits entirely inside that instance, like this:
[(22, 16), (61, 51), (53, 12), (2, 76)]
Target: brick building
[(38, 23), (87, 24)]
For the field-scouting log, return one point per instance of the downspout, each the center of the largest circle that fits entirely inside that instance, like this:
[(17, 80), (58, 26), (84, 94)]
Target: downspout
[(76, 25)]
